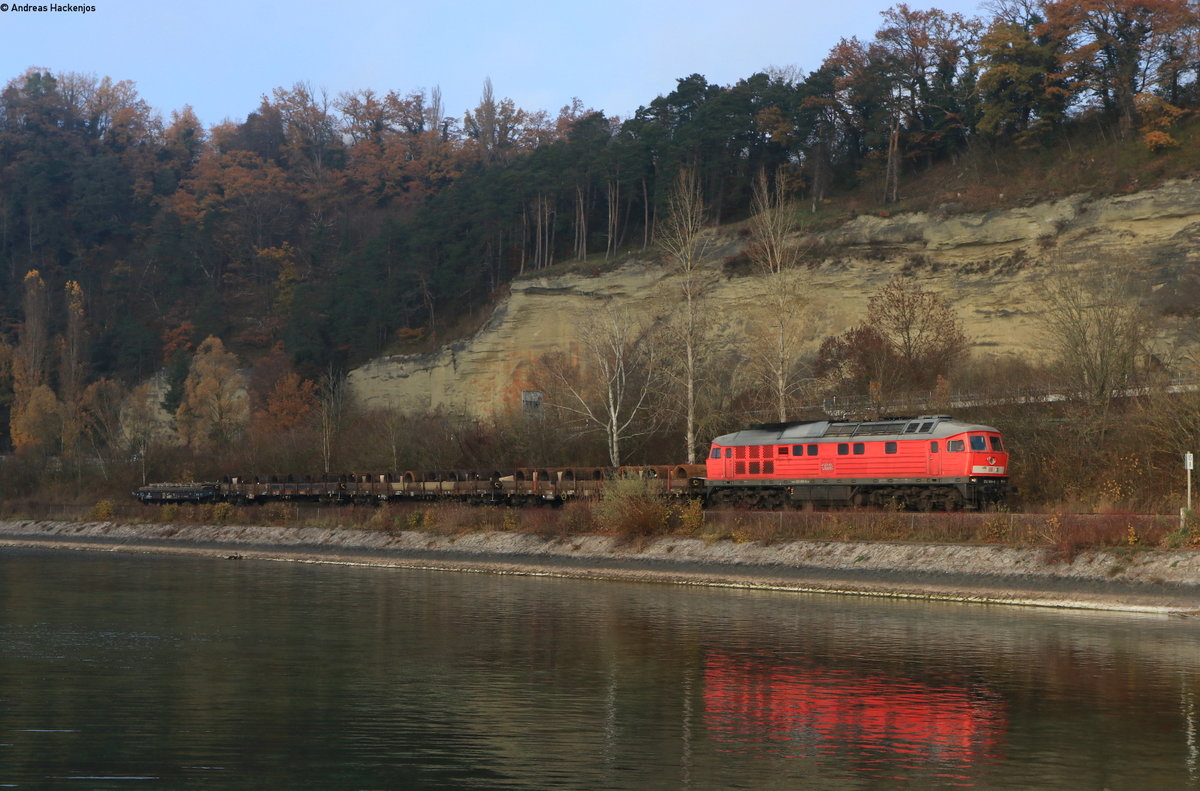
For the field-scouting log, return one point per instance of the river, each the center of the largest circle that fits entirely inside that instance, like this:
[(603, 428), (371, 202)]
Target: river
[(130, 672)]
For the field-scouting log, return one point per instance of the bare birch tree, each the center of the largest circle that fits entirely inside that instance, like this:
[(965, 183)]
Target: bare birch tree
[(73, 352), (685, 245), (777, 330), (612, 188), (608, 388), (332, 402), (141, 430)]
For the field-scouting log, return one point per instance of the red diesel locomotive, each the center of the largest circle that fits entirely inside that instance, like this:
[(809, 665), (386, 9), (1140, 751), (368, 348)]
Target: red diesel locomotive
[(926, 463)]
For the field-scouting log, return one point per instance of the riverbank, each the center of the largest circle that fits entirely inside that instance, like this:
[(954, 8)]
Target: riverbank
[(1130, 580)]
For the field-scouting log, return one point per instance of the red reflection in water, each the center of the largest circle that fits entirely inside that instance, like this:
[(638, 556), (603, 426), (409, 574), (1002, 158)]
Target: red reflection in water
[(779, 708)]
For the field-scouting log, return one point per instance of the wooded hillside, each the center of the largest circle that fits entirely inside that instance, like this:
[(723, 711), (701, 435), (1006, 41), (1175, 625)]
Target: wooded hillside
[(322, 230)]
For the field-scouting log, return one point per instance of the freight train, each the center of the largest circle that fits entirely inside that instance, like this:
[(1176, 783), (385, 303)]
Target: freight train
[(925, 463)]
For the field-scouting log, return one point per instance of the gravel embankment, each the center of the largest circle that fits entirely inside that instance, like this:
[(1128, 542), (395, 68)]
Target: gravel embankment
[(1157, 581)]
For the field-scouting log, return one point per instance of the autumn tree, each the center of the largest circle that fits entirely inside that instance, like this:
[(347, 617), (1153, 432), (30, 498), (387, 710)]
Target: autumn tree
[(1157, 117), (312, 142), (1096, 333), (214, 409), (284, 423), (99, 415), (932, 76), (856, 362), (1024, 85), (291, 404), (234, 204), (31, 360), (909, 338), (1117, 48), (38, 425), (497, 128), (921, 328), (402, 146)]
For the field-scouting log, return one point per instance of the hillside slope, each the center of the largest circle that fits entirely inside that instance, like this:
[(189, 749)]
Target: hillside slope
[(988, 264)]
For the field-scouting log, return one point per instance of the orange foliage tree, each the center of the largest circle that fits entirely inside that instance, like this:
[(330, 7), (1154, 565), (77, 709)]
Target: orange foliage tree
[(214, 408), (1117, 47), (30, 361)]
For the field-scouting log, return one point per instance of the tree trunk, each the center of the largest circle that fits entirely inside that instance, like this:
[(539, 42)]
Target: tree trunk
[(614, 214), (891, 183)]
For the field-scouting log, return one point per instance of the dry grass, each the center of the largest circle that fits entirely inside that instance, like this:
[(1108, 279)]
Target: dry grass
[(1085, 158), (635, 517)]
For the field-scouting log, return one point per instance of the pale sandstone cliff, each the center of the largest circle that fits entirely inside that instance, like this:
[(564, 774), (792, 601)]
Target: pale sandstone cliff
[(989, 265)]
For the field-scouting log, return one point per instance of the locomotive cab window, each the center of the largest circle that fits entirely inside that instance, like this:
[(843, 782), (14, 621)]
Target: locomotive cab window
[(728, 453), (978, 442), (955, 446), (716, 453), (996, 444), (889, 447), (933, 447)]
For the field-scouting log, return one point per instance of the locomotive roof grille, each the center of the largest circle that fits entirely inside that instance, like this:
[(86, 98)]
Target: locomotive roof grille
[(863, 429), (785, 426)]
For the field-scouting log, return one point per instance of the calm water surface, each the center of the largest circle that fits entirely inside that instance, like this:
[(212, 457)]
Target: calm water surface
[(122, 672)]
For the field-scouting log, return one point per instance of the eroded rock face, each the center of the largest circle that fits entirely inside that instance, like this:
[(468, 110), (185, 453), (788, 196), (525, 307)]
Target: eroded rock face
[(989, 265)]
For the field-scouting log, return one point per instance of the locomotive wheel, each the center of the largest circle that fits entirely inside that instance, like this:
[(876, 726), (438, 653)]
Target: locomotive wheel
[(757, 499), (775, 499), (718, 498), (951, 499)]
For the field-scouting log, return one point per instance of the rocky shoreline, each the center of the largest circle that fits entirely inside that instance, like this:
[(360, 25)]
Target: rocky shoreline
[(1130, 580)]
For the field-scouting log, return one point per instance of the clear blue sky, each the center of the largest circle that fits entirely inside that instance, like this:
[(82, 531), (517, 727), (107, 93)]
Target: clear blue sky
[(221, 56)]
